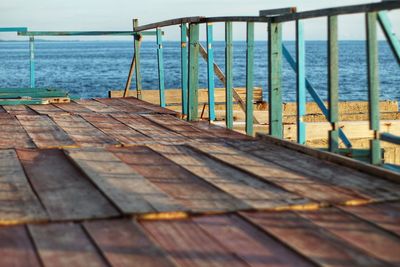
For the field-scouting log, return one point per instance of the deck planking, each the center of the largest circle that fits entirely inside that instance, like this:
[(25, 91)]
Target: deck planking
[(12, 134), (294, 182), (142, 187), (68, 246), (44, 132), (188, 189), (124, 243), (128, 190), (55, 180)]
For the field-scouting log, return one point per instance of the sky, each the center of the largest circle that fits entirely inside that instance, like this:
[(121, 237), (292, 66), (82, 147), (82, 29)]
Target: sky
[(94, 15)]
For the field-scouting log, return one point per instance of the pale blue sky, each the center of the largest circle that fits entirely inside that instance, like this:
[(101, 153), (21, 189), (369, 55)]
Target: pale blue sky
[(59, 15)]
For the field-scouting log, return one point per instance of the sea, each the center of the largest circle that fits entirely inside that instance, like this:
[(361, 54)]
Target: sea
[(91, 68)]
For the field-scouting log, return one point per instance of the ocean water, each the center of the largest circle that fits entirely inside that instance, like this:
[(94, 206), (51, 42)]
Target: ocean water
[(91, 68)]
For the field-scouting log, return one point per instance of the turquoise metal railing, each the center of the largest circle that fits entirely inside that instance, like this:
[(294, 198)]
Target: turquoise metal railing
[(375, 13)]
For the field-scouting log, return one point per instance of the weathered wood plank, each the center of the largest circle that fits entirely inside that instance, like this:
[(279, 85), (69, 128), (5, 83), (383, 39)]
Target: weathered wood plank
[(82, 132), (247, 242), (247, 188), (19, 110), (386, 215), (174, 96), (148, 106), (44, 132), (150, 129), (12, 135), (18, 203), (16, 248), (65, 245), (313, 242), (297, 183), (359, 233), (64, 191), (49, 109), (367, 186), (219, 131), (73, 108), (124, 243), (123, 106), (178, 126), (96, 106), (186, 188), (117, 130), (129, 191), (188, 244)]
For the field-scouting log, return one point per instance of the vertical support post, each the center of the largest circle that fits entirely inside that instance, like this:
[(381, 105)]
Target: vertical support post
[(193, 102), (32, 60), (333, 83), (210, 72), (249, 77), (373, 86), (228, 75), (275, 79), (160, 59), (301, 82), (138, 39), (184, 69)]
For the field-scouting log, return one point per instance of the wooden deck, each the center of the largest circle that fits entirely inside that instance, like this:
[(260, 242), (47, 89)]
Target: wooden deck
[(121, 182)]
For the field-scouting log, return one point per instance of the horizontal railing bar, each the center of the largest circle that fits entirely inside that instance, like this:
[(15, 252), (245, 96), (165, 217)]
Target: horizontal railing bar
[(14, 29), (83, 33), (165, 23), (235, 19), (391, 138), (277, 11), (338, 11)]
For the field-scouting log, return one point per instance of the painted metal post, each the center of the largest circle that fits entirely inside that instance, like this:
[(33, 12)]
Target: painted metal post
[(274, 79), (193, 72), (138, 39), (184, 68), (301, 83), (228, 76), (249, 77), (32, 60), (210, 72), (333, 83), (160, 59), (390, 35), (373, 86), (318, 100)]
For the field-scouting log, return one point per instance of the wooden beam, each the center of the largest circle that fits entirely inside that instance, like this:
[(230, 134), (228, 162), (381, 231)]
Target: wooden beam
[(249, 77), (364, 8), (165, 23), (301, 83), (277, 11)]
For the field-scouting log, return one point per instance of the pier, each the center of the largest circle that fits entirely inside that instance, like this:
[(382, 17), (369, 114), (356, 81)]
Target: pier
[(121, 181)]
